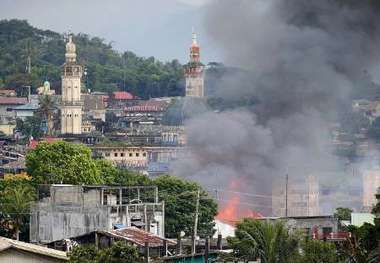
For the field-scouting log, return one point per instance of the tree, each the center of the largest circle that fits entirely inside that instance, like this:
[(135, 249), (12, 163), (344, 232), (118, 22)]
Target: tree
[(265, 240), (30, 127), (118, 252), (316, 251), (342, 213), (107, 68), (180, 198), (47, 106), (108, 172), (16, 197), (83, 254), (128, 178), (62, 162)]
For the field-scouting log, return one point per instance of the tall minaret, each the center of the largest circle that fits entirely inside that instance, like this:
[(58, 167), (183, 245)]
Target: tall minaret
[(194, 72), (71, 109)]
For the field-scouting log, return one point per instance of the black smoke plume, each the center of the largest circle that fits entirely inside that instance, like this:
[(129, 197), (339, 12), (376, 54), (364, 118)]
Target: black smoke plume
[(303, 58)]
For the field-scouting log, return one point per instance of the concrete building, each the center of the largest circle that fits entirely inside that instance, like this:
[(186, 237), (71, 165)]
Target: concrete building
[(316, 227), (71, 108), (6, 106), (13, 251), (65, 211), (94, 106), (137, 157), (371, 182), (194, 72), (148, 112), (299, 198)]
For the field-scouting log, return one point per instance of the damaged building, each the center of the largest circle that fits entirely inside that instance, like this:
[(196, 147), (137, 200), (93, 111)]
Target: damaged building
[(65, 211)]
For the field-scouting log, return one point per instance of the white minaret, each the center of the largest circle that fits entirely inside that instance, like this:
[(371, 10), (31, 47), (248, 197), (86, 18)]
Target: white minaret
[(71, 108), (194, 72)]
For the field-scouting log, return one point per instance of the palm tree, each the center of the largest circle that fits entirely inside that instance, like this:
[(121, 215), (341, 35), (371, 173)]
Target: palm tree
[(15, 204), (47, 107), (259, 239)]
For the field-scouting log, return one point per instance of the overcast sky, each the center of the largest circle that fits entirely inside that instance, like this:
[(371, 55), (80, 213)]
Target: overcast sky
[(160, 28)]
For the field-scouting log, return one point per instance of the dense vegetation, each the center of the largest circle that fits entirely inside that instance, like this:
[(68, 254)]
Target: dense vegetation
[(118, 252), (107, 69)]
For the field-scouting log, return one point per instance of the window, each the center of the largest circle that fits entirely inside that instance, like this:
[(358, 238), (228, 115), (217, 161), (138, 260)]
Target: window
[(121, 154), (115, 154), (130, 154), (107, 154), (326, 230), (137, 154), (144, 154)]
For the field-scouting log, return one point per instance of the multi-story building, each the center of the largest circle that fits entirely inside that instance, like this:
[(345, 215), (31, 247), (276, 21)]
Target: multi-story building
[(194, 72), (71, 108), (296, 197), (371, 183), (65, 211)]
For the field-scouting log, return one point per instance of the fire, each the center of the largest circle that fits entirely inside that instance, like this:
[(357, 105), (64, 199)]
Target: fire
[(232, 211)]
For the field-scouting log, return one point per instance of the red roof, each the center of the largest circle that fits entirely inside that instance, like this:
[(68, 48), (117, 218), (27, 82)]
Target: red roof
[(138, 236), (12, 100), (34, 143), (123, 95), (150, 105)]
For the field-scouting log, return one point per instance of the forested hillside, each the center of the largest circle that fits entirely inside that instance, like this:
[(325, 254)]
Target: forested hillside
[(107, 69)]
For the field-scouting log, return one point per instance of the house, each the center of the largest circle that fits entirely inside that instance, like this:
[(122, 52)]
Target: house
[(316, 227), (359, 219), (137, 157), (65, 211), (121, 99), (24, 111), (147, 112), (20, 252), (6, 104), (94, 106)]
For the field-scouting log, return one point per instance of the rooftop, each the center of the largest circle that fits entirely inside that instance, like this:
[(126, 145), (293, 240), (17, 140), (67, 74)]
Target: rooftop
[(123, 95), (137, 236), (6, 243), (12, 100), (150, 105)]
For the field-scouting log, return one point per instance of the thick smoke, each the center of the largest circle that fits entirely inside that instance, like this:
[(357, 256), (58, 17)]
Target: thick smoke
[(303, 58)]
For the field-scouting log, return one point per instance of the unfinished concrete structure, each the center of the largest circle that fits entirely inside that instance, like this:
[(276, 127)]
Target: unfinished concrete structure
[(65, 211), (297, 198)]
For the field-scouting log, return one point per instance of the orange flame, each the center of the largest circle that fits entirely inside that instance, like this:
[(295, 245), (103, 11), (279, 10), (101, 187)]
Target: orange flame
[(232, 211)]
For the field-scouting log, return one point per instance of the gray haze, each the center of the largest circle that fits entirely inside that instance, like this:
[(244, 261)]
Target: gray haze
[(160, 28), (303, 57)]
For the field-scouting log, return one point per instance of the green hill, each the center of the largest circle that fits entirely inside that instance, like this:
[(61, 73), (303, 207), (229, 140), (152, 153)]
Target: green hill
[(108, 70)]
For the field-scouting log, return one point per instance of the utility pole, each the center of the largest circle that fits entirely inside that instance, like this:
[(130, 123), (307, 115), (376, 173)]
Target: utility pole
[(286, 194), (193, 247)]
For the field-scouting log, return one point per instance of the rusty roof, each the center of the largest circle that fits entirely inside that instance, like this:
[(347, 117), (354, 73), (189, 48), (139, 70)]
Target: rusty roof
[(6, 243), (137, 236), (12, 100)]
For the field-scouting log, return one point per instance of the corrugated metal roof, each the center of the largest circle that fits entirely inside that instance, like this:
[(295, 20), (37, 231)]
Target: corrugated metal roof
[(6, 243), (137, 236)]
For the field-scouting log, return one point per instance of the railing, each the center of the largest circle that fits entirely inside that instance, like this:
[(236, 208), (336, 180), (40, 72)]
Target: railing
[(333, 236)]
